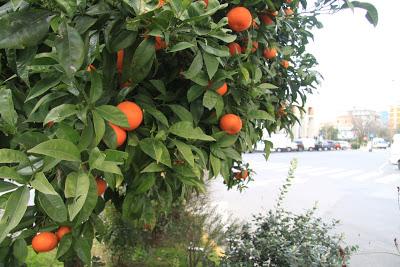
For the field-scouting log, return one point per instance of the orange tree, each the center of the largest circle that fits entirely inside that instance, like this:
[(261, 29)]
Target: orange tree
[(138, 103)]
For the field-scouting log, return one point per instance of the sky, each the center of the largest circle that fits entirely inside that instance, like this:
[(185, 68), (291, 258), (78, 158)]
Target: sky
[(360, 63)]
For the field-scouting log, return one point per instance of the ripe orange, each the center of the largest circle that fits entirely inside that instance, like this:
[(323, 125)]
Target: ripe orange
[(222, 90), (288, 11), (230, 123), (120, 134), (161, 3), (234, 49), (253, 48), (206, 2), (160, 43), (270, 53), (44, 241), (101, 186), (62, 230), (242, 175), (266, 19), (120, 60), (288, 1), (239, 19), (133, 113), (90, 68), (285, 63)]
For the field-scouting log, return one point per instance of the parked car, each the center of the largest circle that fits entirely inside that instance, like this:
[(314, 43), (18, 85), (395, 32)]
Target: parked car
[(379, 143), (344, 145), (305, 144), (292, 147), (395, 151), (322, 145), (331, 145)]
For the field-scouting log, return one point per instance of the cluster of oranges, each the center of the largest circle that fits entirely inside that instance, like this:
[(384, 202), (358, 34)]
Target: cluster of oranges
[(47, 241), (240, 19)]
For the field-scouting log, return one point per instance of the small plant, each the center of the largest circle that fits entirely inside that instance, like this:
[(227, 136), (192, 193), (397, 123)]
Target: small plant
[(281, 238)]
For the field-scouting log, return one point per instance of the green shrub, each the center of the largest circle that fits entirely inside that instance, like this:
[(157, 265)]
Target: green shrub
[(281, 238)]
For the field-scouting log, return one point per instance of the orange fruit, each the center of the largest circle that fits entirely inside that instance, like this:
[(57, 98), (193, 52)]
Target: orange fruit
[(270, 53), (44, 241), (50, 124), (288, 1), (120, 60), (266, 19), (288, 11), (62, 230), (242, 174), (101, 186), (160, 43), (234, 49), (230, 123), (285, 63), (253, 48), (120, 134), (239, 19), (222, 90), (206, 2), (133, 113), (161, 3), (90, 68)]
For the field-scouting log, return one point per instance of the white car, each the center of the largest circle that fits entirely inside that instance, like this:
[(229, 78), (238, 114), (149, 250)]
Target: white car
[(395, 151)]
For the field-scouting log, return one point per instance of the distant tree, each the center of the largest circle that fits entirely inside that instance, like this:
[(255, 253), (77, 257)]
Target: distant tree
[(329, 132)]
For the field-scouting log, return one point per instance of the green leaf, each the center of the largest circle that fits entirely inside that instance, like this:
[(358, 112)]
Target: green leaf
[(86, 137), (59, 149), (53, 206), (43, 86), (76, 190), (159, 85), (6, 186), (7, 111), (60, 112), (99, 127), (227, 140), (181, 46), (82, 249), (14, 211), (96, 86), (12, 156), (142, 60), (210, 99), (372, 12), (20, 250), (194, 92), (267, 86), (67, 132), (90, 203), (215, 165), (185, 129), (211, 64), (10, 173), (153, 167), (145, 182), (70, 49), (113, 115), (260, 115), (156, 150), (41, 184), (16, 4), (182, 112), (185, 151), (64, 245), (158, 115), (219, 52), (23, 28), (195, 67)]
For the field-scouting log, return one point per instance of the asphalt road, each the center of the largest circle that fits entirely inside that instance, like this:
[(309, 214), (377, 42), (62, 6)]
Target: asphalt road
[(359, 188)]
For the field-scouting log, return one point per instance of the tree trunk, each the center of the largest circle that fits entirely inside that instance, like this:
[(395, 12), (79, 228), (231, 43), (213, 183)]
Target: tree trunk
[(76, 262)]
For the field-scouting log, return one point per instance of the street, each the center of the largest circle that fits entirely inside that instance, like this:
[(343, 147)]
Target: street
[(359, 188)]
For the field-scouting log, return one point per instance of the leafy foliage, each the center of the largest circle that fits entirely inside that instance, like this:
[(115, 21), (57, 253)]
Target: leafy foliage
[(61, 76), (281, 238)]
